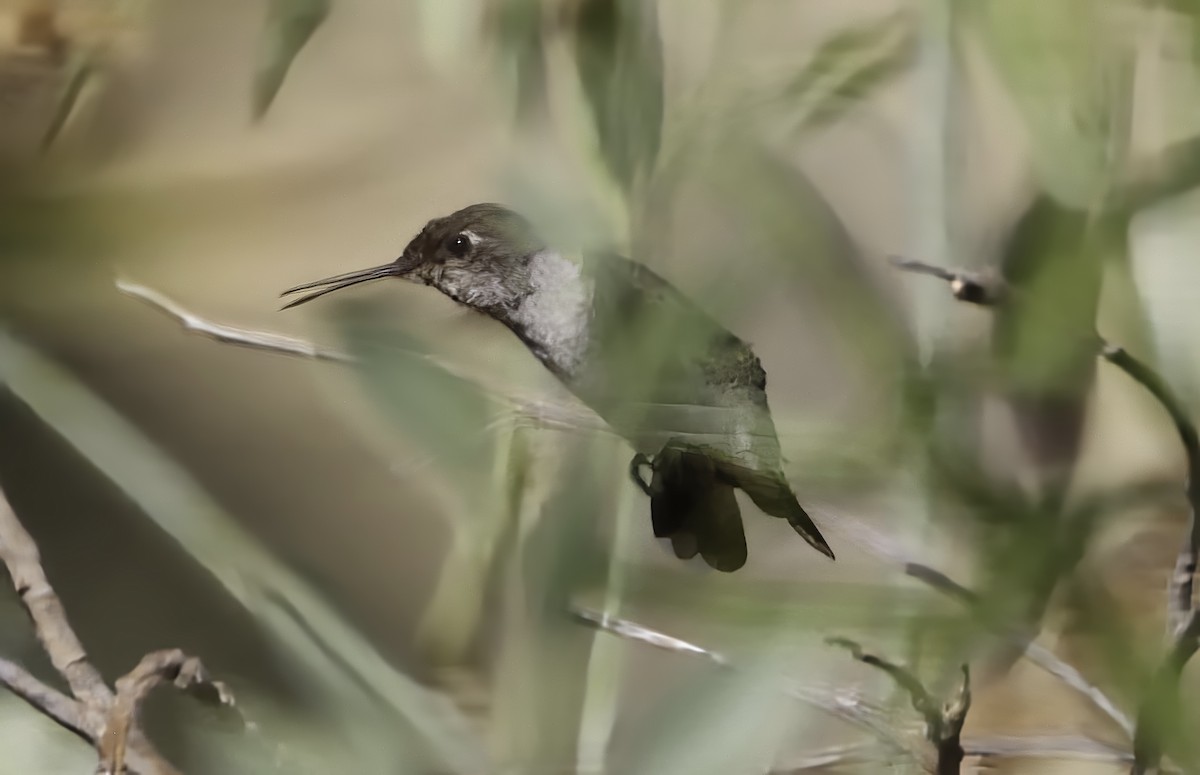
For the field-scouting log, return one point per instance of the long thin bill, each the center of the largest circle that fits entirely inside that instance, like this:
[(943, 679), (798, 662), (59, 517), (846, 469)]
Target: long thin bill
[(331, 284)]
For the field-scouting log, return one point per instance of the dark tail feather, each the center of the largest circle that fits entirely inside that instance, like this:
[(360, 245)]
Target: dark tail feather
[(698, 512), (775, 497)]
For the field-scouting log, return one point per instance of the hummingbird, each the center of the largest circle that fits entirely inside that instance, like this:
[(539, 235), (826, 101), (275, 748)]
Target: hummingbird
[(688, 394)]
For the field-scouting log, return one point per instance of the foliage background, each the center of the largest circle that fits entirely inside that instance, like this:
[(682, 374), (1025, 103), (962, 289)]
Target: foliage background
[(228, 502)]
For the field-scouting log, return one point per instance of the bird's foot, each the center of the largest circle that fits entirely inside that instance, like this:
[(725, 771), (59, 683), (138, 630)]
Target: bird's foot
[(635, 471)]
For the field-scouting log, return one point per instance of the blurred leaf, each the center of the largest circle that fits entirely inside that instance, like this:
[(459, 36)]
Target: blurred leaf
[(450, 623), (1044, 338), (450, 420), (81, 66), (1165, 270), (774, 229), (850, 66), (1191, 9), (619, 56), (543, 655), (721, 722), (444, 415), (1176, 171), (782, 215), (606, 663), (339, 666), (1068, 65), (289, 25), (516, 27), (448, 27)]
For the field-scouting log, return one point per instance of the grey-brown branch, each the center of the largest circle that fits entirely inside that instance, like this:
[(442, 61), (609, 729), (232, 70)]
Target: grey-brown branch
[(106, 719), (538, 413), (943, 721)]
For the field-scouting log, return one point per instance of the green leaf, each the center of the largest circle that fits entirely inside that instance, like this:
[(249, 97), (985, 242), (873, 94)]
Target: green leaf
[(1068, 66), (447, 27), (78, 73), (619, 57), (850, 66), (1165, 272), (724, 722), (1052, 258), (515, 26), (440, 413), (290, 24)]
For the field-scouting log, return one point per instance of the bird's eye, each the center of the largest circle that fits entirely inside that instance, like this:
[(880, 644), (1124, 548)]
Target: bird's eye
[(459, 245)]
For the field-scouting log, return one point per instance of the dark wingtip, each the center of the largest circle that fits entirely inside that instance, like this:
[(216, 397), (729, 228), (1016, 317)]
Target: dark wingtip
[(813, 538)]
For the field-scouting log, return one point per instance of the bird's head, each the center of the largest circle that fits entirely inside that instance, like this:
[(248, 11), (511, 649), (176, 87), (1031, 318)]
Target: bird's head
[(478, 256)]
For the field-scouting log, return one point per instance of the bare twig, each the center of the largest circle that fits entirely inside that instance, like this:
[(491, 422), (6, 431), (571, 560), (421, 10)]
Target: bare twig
[(854, 709), (255, 340), (1181, 606), (988, 750), (887, 549), (632, 631), (105, 719), (1035, 653), (845, 705), (1160, 706), (1047, 660), (922, 702), (20, 555), (1078, 748), (66, 712), (943, 722), (537, 413)]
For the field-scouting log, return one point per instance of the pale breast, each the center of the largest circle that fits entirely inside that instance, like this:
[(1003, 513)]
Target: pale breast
[(554, 318)]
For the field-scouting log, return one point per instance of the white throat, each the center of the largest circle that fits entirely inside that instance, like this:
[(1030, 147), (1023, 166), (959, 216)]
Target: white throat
[(555, 316)]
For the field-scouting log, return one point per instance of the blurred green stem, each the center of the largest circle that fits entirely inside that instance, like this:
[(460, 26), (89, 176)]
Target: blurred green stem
[(607, 657), (451, 621)]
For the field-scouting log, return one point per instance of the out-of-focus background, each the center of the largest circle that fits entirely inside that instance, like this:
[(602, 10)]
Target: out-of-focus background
[(380, 559)]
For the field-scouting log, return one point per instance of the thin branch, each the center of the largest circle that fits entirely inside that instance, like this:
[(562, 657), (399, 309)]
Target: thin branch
[(20, 555), (943, 725), (105, 719), (63, 710), (1052, 664), (850, 707), (841, 704), (1160, 705), (1078, 748), (255, 340), (628, 630), (537, 413), (922, 702), (988, 750), (886, 548), (1181, 606), (1034, 652)]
